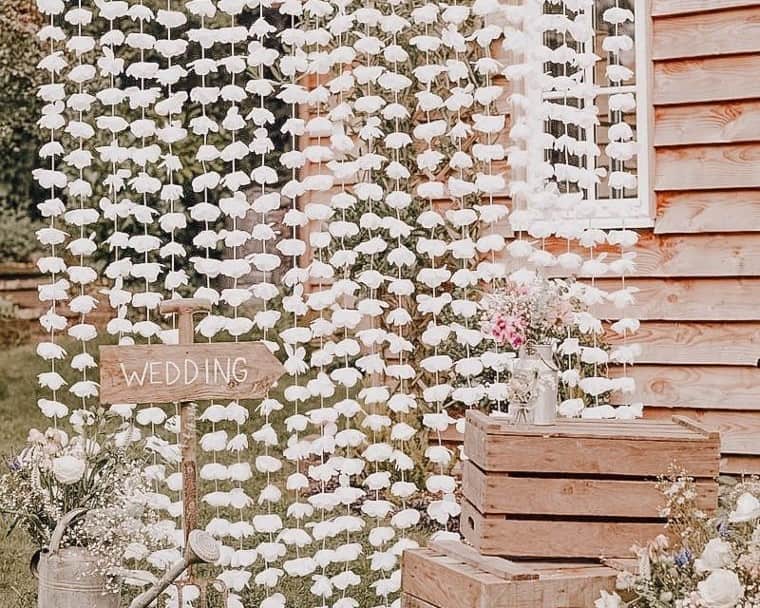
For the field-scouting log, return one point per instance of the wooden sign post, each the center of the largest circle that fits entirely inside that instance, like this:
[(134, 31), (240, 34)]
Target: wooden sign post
[(184, 372)]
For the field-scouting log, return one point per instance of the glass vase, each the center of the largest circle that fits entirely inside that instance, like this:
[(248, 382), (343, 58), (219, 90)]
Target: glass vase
[(543, 406)]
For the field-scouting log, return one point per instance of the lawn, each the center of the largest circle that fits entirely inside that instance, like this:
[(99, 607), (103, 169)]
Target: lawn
[(18, 412)]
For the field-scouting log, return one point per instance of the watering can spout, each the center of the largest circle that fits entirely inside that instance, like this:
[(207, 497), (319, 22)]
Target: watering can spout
[(201, 548)]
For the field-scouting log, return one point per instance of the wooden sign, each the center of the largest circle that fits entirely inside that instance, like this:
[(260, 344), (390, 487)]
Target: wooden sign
[(186, 372)]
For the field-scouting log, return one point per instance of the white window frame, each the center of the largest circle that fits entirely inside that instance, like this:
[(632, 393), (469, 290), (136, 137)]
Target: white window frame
[(642, 213)]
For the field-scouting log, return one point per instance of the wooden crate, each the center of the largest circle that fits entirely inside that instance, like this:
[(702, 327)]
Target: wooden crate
[(450, 574), (576, 489)]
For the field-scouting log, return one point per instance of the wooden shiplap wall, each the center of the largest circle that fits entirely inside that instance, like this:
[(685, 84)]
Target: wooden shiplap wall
[(701, 315), (699, 268)]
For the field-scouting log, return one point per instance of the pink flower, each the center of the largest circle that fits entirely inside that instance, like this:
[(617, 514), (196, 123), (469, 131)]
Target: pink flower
[(507, 330)]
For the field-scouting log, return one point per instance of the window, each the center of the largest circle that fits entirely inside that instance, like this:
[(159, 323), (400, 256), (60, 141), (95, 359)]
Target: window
[(617, 147)]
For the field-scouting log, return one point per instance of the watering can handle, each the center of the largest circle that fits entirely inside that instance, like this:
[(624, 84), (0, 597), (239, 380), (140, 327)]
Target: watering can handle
[(60, 529)]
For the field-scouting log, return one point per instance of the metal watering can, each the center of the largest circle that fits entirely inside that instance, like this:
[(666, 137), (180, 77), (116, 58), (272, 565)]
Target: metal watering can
[(201, 548), (67, 577)]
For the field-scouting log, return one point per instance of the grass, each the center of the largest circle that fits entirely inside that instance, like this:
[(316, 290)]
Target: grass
[(18, 412)]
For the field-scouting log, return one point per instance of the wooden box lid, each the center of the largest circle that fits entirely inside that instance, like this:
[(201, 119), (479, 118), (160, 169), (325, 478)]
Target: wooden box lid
[(638, 448), (450, 574)]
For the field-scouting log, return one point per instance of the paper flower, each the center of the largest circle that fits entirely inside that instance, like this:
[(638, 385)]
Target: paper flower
[(68, 469)]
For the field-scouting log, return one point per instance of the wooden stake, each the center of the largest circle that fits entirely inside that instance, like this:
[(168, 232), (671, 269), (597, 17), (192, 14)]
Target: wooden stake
[(185, 308)]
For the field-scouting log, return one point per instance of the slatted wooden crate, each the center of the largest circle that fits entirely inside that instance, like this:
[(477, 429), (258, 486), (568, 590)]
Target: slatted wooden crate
[(576, 489), (450, 574)]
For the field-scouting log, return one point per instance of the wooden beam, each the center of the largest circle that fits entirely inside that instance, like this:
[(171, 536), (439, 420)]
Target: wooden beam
[(529, 538), (409, 601), (739, 431), (708, 167), (707, 123), (708, 211), (610, 448), (678, 7), (465, 585), (719, 33), (688, 300), (697, 386), (569, 497), (709, 79), (698, 255), (733, 464), (696, 343)]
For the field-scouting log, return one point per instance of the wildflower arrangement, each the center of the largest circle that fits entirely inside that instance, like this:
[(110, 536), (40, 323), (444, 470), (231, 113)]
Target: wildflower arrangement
[(521, 386), (539, 311), (55, 474), (708, 562)]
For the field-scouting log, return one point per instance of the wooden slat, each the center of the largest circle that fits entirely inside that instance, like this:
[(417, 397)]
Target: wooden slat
[(676, 7), (698, 386), (712, 79), (708, 167), (503, 568), (554, 454), (740, 465), (494, 535), (696, 343), (708, 211), (429, 579), (688, 299), (500, 493), (719, 33), (409, 601), (707, 123), (740, 431), (703, 255), (676, 429), (424, 572)]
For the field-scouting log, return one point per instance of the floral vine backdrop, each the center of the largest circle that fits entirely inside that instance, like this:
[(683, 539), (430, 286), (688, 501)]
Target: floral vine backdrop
[(332, 176)]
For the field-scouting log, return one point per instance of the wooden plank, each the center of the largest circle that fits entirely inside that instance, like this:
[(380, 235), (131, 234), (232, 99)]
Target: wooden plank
[(443, 582), (719, 33), (614, 430), (703, 255), (528, 538), (676, 7), (503, 568), (450, 435), (697, 386), (168, 373), (588, 455), (22, 284), (623, 564), (409, 601), (500, 493), (708, 79), (740, 430), (688, 299), (740, 465), (708, 211), (695, 343), (707, 123), (708, 167)]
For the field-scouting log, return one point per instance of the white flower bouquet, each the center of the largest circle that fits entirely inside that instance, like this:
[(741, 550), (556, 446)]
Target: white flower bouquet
[(708, 562), (55, 474)]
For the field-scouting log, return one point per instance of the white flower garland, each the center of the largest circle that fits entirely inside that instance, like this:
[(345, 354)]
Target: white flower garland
[(352, 204), (55, 181)]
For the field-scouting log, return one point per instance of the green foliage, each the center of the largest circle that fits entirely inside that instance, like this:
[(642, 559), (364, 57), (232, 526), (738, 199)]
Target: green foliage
[(18, 242), (20, 51), (20, 138)]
